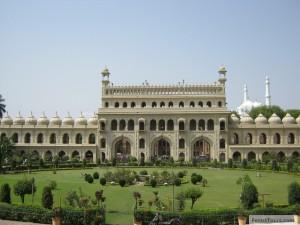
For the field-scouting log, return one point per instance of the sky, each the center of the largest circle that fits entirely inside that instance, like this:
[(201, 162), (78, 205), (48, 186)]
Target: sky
[(52, 52)]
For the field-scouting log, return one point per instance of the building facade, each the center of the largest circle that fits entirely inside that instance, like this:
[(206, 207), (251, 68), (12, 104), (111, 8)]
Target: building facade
[(183, 121)]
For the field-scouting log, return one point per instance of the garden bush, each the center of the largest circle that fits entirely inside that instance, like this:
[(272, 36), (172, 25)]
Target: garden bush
[(103, 181), (294, 193), (122, 182), (96, 175), (177, 182), (5, 193), (153, 183), (88, 178), (143, 172), (47, 198)]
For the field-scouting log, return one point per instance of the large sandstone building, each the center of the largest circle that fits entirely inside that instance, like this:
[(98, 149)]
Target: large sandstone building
[(183, 121)]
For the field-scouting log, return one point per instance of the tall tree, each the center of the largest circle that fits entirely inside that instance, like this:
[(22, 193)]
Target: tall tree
[(6, 150), (2, 106), (267, 111)]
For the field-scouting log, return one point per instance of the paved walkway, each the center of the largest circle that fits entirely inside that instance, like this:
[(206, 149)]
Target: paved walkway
[(9, 222)]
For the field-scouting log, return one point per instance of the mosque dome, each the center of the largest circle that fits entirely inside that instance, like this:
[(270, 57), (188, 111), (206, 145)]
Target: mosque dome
[(68, 120), (81, 120), (30, 120), (261, 119), (93, 121), (55, 120), (43, 120), (6, 120), (288, 119), (246, 119), (298, 120), (19, 120), (274, 119), (234, 119)]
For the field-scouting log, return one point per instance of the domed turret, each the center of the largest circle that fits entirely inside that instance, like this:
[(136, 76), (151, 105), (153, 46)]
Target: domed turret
[(261, 119), (68, 120), (55, 120), (81, 120), (234, 119), (298, 120), (93, 121), (6, 120), (246, 119), (19, 120), (43, 120), (288, 119), (274, 119), (30, 120)]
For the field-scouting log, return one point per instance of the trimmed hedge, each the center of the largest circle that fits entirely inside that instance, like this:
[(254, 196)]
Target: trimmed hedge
[(40, 215)]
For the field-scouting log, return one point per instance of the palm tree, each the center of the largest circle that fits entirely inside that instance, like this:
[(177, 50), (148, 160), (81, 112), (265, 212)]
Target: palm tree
[(2, 106), (6, 150)]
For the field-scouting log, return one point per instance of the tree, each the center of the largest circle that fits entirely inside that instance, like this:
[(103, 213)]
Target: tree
[(47, 198), (102, 181), (6, 150), (294, 193), (23, 187), (267, 111), (136, 196), (5, 193), (249, 195), (180, 197), (294, 112), (194, 194), (99, 197), (122, 182), (2, 106)]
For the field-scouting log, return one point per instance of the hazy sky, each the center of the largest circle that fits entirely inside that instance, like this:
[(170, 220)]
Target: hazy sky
[(51, 52)]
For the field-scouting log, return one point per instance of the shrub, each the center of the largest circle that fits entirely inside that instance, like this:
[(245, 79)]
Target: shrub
[(23, 187), (249, 195), (199, 178), (194, 180), (114, 162), (96, 175), (230, 163), (180, 201), (274, 165), (244, 163), (181, 174), (53, 185), (103, 181), (88, 178), (122, 182), (144, 172), (294, 193), (194, 194), (153, 183), (177, 182), (47, 198), (5, 193)]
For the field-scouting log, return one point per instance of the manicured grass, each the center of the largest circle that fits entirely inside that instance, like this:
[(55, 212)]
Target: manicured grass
[(222, 190)]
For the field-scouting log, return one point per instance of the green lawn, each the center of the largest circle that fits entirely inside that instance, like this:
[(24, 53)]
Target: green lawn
[(222, 190)]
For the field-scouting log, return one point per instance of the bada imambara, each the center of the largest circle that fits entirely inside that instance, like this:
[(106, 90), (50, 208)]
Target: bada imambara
[(183, 121)]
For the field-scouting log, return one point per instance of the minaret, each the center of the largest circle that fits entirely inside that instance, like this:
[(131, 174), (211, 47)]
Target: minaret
[(105, 76), (246, 96), (222, 75), (268, 94)]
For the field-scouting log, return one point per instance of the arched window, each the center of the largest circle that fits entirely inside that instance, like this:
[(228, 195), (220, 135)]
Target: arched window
[(102, 143), (181, 104), (251, 156), (181, 143), (142, 125), (170, 125), (276, 139), (249, 139), (124, 104), (75, 155), (201, 125), (193, 125), (114, 125), (222, 157), (208, 104), (262, 139), (162, 104), (122, 125), (15, 138), (181, 125), (154, 104), (61, 155), (53, 138), (66, 138), (27, 138), (78, 139), (92, 139), (117, 105), (200, 104), (236, 157), (170, 104), (142, 143), (222, 125), (220, 104), (192, 104), (106, 104), (130, 125), (40, 138), (3, 135), (222, 143), (235, 139), (102, 126), (161, 125), (143, 105), (210, 125), (280, 156), (153, 125), (132, 105), (291, 138)]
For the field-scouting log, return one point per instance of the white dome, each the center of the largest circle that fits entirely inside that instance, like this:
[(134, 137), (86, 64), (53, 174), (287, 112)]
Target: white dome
[(30, 120), (247, 106), (274, 119), (43, 120), (6, 120), (288, 119), (261, 119), (93, 120), (19, 120), (68, 120), (246, 119), (298, 119), (81, 120), (234, 118), (55, 120)]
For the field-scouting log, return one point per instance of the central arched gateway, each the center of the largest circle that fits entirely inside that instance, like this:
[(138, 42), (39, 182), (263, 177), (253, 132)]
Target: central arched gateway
[(161, 148), (122, 149), (201, 150)]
